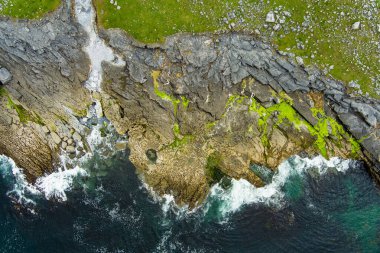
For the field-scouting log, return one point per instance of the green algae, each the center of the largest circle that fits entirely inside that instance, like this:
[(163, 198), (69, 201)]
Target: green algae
[(179, 139), (24, 115), (168, 97), (326, 127)]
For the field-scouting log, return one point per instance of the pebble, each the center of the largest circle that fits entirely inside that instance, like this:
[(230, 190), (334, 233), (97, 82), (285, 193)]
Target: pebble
[(356, 26), (270, 17)]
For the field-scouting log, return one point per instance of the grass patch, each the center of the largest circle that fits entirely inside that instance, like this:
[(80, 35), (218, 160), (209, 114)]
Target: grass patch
[(30, 9), (318, 31)]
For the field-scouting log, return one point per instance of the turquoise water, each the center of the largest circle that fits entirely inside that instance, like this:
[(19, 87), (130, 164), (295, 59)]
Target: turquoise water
[(110, 210)]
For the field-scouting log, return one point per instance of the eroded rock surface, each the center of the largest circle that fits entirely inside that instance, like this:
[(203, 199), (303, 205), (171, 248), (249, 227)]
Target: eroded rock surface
[(214, 105), (196, 109), (39, 104)]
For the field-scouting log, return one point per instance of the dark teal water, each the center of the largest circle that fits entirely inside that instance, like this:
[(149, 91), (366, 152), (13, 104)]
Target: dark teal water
[(111, 211)]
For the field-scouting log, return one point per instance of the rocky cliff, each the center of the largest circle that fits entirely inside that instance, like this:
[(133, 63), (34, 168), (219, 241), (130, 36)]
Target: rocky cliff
[(197, 109), (39, 104), (212, 105)]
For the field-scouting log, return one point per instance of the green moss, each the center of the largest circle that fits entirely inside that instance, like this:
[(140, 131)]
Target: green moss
[(104, 129), (31, 9), (185, 102), (3, 92), (235, 99), (179, 140), (167, 97), (212, 170), (23, 114), (325, 129)]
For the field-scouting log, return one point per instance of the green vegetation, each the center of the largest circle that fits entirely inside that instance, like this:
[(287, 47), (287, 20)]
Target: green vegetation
[(179, 140), (104, 129), (326, 127), (318, 31), (167, 97), (3, 92), (23, 114), (30, 9)]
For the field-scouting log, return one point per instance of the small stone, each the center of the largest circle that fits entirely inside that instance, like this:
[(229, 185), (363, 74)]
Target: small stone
[(64, 145), (55, 138), (277, 27), (287, 13), (356, 26), (122, 145), (299, 60), (45, 129), (65, 138), (270, 17), (378, 28), (70, 141), (77, 137), (70, 149)]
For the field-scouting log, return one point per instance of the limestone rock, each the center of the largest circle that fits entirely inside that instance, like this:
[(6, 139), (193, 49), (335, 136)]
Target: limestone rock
[(5, 76), (70, 149), (356, 25), (270, 18), (55, 138)]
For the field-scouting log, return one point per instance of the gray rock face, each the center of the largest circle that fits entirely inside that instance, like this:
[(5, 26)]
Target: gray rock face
[(5, 76)]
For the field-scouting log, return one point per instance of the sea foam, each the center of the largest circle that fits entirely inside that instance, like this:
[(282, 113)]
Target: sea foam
[(243, 193)]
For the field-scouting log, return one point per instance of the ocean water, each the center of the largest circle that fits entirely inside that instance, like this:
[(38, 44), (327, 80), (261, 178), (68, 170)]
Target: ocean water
[(310, 205)]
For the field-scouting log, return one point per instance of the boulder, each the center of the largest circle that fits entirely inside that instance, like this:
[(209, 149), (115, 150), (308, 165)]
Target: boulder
[(5, 76)]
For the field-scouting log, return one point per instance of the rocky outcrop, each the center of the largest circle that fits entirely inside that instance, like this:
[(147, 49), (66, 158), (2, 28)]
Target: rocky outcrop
[(212, 105), (40, 101), (197, 110)]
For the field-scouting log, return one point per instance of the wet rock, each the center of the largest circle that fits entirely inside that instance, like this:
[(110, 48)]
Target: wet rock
[(151, 154), (120, 146)]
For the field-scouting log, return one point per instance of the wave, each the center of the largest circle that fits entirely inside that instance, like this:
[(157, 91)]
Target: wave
[(21, 191), (223, 202), (55, 185)]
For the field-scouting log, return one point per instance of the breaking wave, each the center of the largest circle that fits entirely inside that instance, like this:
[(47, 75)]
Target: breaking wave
[(241, 192)]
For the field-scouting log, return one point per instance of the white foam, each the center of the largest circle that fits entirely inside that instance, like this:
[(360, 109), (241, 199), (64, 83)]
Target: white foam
[(22, 191), (243, 193), (97, 50), (55, 185)]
